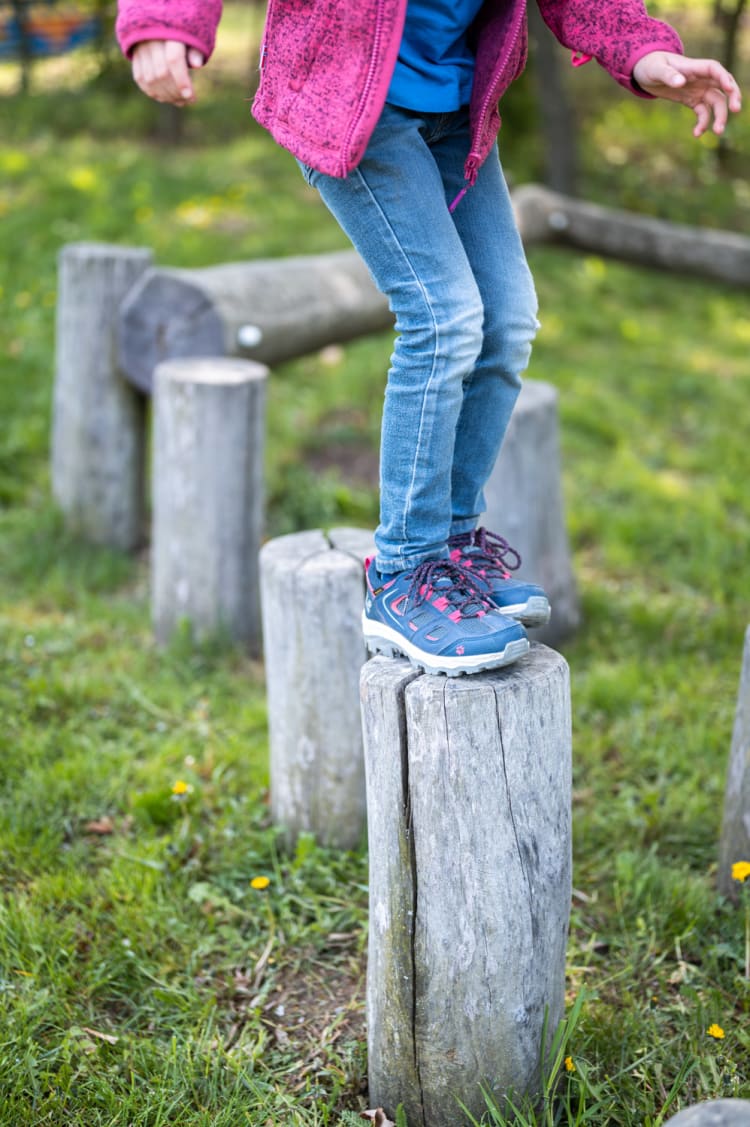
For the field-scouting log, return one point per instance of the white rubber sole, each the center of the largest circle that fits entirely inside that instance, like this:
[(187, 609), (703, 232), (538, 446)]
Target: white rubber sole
[(381, 639), (535, 611)]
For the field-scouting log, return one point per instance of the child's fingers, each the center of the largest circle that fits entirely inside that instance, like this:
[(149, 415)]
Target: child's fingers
[(160, 70), (717, 77), (703, 114), (712, 71), (178, 77), (718, 104)]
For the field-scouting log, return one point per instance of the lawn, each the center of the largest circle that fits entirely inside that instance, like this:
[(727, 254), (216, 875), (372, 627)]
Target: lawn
[(144, 981)]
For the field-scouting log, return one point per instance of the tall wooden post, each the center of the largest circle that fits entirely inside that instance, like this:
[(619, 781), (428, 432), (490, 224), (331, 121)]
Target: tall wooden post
[(313, 591), (469, 827), (209, 432), (98, 431)]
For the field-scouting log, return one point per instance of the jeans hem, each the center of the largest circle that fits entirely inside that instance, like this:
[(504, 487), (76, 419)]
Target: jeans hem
[(390, 566), (458, 527)]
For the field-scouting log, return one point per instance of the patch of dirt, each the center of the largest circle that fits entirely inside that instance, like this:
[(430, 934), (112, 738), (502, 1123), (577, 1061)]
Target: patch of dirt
[(314, 1007)]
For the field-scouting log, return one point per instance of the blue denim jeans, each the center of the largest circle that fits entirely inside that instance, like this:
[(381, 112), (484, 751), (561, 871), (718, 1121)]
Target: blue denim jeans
[(465, 312)]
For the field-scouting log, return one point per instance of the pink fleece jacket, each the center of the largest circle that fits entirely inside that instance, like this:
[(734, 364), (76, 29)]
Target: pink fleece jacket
[(326, 65)]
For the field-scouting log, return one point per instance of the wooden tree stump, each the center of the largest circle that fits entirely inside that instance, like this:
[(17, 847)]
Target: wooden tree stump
[(525, 505), (269, 310), (98, 422), (469, 826), (312, 594), (209, 431), (715, 1113), (735, 832)]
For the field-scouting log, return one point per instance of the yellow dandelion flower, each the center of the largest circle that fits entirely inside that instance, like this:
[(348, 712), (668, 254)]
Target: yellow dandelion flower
[(260, 883), (741, 870), (715, 1031), (569, 1064), (181, 787)]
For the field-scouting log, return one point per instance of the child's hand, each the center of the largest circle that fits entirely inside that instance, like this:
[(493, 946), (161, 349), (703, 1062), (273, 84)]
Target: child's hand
[(702, 84), (160, 68)]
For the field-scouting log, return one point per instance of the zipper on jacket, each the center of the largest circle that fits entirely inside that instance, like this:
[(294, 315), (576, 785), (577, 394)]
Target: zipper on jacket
[(264, 37), (369, 82), (474, 159)]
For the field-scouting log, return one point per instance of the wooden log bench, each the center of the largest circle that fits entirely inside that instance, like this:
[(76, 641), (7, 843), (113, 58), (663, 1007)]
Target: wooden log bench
[(545, 216), (469, 827), (209, 437), (735, 831), (312, 594), (266, 310), (277, 309)]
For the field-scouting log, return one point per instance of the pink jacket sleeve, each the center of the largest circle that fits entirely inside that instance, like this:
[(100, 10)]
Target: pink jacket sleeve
[(192, 22), (617, 33)]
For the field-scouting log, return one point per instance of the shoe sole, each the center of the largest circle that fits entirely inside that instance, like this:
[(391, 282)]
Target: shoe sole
[(535, 611), (385, 641)]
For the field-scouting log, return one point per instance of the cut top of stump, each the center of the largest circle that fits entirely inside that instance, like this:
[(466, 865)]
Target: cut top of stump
[(217, 371)]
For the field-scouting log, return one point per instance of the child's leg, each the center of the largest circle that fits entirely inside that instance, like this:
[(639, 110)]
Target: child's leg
[(486, 226), (394, 210)]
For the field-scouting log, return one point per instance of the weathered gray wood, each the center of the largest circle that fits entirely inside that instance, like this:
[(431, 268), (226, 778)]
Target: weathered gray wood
[(98, 420), (546, 216), (276, 309), (525, 505), (735, 831), (269, 310), (469, 827), (715, 1113), (312, 593), (208, 445)]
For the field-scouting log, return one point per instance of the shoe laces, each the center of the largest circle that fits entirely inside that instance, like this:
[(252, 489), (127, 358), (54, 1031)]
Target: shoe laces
[(448, 580), (493, 551)]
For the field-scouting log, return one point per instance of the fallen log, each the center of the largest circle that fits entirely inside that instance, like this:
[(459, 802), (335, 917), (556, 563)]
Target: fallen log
[(274, 310), (269, 311), (544, 216)]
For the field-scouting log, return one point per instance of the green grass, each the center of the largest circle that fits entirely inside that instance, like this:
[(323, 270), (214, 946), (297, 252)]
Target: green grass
[(142, 980)]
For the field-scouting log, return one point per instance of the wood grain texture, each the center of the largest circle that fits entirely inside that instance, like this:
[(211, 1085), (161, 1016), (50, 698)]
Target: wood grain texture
[(209, 431), (525, 505), (469, 829), (294, 305), (98, 420), (735, 830), (312, 593)]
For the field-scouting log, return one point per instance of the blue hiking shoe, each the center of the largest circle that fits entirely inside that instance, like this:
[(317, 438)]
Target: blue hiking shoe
[(441, 618), (491, 559)]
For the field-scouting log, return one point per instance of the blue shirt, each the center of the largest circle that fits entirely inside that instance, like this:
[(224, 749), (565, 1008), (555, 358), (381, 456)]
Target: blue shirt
[(435, 67)]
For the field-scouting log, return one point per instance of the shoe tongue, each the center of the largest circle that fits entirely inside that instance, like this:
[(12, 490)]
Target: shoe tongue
[(458, 594)]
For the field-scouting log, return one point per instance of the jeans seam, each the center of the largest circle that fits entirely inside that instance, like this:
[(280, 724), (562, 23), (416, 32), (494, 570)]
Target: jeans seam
[(429, 381)]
